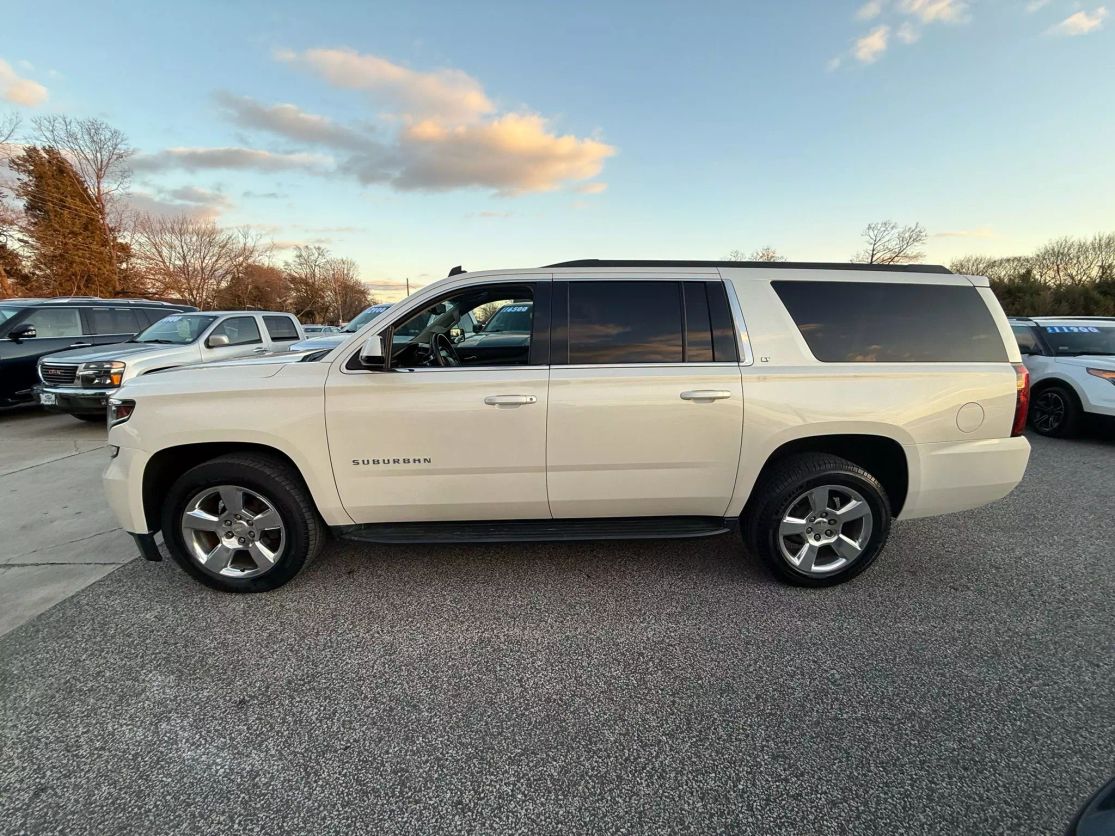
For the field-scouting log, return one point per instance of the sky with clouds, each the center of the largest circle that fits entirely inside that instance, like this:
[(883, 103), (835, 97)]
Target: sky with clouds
[(414, 137)]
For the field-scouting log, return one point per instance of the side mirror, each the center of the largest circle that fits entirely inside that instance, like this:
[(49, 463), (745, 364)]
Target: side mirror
[(371, 353), (216, 340), (23, 332)]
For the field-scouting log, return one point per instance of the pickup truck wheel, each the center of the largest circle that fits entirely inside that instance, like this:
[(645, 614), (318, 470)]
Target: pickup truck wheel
[(240, 523), (817, 520), (1054, 411)]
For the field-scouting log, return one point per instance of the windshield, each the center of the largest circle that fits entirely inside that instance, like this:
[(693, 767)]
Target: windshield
[(175, 330), (509, 318), (7, 313), (1072, 340), (364, 317)]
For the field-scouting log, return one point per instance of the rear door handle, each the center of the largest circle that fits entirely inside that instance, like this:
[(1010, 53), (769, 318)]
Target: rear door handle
[(509, 400), (259, 351), (706, 395)]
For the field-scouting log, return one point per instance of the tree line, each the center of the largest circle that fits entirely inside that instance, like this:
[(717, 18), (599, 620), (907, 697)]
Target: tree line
[(66, 229)]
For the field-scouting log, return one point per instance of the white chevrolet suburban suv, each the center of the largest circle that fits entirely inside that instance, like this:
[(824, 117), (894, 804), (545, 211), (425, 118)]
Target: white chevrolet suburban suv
[(807, 405)]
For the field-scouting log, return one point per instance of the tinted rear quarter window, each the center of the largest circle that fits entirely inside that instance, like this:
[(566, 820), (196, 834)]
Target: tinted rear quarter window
[(879, 322), (281, 328), (1027, 339), (114, 320)]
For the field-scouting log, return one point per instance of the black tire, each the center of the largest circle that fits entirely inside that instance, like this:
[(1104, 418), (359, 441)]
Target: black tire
[(778, 491), (92, 419), (1055, 412), (268, 477)]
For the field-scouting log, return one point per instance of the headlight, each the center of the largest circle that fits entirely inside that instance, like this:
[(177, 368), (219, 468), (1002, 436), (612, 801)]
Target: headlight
[(1104, 373), (119, 410), (106, 375)]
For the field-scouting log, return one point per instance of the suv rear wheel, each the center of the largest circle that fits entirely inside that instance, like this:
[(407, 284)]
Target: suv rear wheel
[(817, 520), (240, 523)]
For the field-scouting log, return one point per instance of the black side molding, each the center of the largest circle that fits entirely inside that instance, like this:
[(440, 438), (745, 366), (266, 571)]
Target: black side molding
[(148, 548)]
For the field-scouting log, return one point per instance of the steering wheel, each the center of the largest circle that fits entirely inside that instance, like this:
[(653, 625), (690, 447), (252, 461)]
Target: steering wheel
[(443, 350)]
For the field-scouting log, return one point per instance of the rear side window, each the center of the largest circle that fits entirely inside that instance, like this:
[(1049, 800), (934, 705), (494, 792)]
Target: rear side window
[(114, 321), (240, 330), (281, 328), (1027, 339), (625, 322), (872, 322), (55, 322)]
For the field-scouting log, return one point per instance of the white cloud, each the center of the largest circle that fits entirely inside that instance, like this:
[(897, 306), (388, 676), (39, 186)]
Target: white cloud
[(908, 33), (447, 95), (18, 90), (591, 188), (1080, 23), (193, 159), (1036, 5), (868, 48), (145, 203), (290, 121), (937, 11), (870, 10)]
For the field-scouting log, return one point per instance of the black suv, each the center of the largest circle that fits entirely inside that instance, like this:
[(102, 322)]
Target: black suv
[(33, 328)]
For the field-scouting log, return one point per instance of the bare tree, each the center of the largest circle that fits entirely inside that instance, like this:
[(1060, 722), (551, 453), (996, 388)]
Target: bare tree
[(348, 294), (8, 127), (889, 243), (761, 254), (191, 259)]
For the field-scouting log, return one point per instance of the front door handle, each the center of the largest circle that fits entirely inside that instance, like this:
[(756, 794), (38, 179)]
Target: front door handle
[(509, 400), (706, 395), (259, 351), (81, 345)]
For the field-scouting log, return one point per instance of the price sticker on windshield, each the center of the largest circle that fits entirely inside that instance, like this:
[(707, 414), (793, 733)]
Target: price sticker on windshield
[(1071, 329)]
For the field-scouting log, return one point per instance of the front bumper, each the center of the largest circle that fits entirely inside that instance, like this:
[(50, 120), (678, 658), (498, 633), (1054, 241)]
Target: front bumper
[(123, 484), (74, 401)]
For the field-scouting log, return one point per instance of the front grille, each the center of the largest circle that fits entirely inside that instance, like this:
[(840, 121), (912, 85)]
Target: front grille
[(57, 375)]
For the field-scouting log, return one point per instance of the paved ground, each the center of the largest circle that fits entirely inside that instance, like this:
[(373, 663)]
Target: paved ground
[(964, 684), (56, 533)]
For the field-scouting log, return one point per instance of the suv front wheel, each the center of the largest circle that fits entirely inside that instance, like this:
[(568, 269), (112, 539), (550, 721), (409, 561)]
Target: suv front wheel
[(241, 523), (817, 520)]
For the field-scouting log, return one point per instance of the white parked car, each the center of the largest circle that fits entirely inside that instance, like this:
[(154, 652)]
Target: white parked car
[(808, 405), (1072, 370), (81, 381)]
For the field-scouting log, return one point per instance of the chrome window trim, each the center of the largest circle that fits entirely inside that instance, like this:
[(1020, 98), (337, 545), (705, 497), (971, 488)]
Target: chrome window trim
[(743, 341)]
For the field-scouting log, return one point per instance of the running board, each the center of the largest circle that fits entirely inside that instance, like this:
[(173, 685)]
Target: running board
[(518, 531)]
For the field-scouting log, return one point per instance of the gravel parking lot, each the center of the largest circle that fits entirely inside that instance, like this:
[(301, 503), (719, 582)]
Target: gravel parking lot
[(964, 684)]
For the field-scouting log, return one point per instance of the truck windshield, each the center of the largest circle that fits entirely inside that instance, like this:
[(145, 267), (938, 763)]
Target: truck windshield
[(1075, 340), (175, 330), (364, 317), (510, 318)]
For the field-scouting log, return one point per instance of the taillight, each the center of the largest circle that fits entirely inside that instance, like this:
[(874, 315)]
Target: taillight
[(1022, 399)]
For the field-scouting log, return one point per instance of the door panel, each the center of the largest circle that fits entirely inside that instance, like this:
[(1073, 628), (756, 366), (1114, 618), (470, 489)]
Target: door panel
[(623, 442), (422, 444)]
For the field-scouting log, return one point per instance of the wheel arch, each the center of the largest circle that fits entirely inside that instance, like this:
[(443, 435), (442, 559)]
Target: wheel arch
[(168, 464), (881, 456)]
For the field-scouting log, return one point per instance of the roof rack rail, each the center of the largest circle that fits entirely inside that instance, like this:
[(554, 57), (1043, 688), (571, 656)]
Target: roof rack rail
[(764, 265)]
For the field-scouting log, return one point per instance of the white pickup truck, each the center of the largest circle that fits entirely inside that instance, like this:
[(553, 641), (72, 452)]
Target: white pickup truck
[(81, 381), (806, 405)]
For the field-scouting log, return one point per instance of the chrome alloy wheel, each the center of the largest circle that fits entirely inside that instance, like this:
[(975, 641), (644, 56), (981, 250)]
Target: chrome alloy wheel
[(233, 531), (825, 529)]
